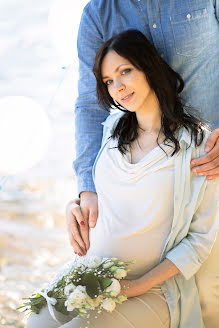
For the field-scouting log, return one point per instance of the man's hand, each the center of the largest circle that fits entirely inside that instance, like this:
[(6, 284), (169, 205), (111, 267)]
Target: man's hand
[(89, 207), (80, 214), (209, 164)]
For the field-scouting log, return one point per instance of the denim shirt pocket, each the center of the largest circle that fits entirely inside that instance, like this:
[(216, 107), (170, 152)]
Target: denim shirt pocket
[(188, 30)]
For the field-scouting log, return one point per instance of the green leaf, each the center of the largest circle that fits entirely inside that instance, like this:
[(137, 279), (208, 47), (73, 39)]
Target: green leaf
[(61, 282), (60, 307), (37, 300), (76, 282), (117, 301), (37, 295), (92, 284), (35, 309), (104, 282)]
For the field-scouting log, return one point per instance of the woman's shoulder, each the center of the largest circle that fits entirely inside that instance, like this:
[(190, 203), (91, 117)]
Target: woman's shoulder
[(110, 123), (186, 137), (112, 119)]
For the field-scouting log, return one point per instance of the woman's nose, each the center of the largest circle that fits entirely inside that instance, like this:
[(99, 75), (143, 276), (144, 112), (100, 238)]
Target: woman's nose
[(119, 86)]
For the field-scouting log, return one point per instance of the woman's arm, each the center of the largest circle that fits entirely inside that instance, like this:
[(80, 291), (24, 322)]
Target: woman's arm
[(189, 254), (158, 274)]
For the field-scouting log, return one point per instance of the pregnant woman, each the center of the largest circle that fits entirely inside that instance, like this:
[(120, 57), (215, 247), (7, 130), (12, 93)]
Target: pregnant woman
[(152, 209)]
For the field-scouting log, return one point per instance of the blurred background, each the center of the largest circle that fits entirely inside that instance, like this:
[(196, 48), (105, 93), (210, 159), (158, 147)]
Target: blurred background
[(33, 237)]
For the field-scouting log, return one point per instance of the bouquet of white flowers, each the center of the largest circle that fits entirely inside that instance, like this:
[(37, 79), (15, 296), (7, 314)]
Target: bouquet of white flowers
[(87, 283)]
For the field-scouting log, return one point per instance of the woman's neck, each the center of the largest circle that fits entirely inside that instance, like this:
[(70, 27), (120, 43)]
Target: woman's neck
[(149, 117)]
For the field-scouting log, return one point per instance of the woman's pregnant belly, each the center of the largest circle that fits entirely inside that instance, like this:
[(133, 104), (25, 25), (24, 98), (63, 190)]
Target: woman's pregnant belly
[(143, 245)]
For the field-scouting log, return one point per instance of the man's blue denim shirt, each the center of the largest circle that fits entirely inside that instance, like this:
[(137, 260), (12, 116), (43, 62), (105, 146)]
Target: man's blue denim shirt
[(184, 32)]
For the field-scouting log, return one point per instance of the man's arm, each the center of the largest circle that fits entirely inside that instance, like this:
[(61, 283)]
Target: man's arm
[(88, 133), (88, 114)]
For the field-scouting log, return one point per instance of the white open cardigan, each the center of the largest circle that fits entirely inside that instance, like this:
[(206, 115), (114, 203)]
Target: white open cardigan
[(193, 233)]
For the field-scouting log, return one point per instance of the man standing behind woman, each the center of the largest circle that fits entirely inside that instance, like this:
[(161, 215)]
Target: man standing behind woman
[(185, 33)]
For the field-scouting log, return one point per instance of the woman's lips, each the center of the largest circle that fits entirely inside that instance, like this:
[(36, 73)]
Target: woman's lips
[(127, 98)]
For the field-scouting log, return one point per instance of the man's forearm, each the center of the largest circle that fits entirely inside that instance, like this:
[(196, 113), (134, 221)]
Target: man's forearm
[(88, 133)]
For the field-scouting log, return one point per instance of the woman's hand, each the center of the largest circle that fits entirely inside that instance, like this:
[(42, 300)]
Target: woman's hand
[(80, 214), (162, 272), (74, 219), (209, 164), (130, 288)]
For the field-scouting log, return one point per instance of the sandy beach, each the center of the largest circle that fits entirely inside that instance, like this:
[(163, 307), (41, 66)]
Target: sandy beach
[(33, 238)]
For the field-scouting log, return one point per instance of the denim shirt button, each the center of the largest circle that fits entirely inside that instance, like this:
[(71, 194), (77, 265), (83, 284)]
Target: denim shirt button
[(154, 25), (188, 16)]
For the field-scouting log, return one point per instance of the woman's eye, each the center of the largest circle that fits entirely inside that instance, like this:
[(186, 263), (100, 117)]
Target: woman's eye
[(125, 71), (108, 82)]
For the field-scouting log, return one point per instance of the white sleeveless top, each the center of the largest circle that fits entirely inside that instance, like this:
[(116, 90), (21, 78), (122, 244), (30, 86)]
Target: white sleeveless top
[(135, 203)]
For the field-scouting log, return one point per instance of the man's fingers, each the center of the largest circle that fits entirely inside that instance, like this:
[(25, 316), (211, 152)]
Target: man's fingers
[(93, 219), (211, 177), (212, 140), (213, 172), (205, 169), (211, 156)]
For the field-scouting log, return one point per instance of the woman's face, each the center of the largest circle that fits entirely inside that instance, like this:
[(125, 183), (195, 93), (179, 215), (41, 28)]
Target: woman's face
[(126, 84)]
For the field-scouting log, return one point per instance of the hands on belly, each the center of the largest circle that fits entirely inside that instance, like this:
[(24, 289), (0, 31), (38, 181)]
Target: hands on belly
[(81, 214)]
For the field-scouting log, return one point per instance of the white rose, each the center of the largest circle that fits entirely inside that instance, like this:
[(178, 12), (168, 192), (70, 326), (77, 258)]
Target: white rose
[(120, 273), (77, 298), (93, 262), (69, 306), (108, 304), (69, 289), (114, 288)]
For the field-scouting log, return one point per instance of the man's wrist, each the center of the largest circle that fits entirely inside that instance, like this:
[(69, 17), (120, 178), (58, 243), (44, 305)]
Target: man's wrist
[(86, 192)]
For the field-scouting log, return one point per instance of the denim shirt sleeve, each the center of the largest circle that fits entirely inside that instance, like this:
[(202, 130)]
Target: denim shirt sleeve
[(88, 114)]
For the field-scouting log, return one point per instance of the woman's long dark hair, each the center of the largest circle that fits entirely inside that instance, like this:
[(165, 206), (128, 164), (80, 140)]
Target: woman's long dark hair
[(166, 83)]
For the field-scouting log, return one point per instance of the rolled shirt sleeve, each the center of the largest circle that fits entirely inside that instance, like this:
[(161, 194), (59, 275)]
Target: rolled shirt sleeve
[(88, 114), (194, 249)]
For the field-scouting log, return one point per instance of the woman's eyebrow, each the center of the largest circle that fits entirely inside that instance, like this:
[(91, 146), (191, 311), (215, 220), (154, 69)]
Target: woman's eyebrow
[(106, 77)]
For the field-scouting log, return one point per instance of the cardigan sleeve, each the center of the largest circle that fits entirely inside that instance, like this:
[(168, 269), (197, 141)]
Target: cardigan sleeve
[(194, 249)]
